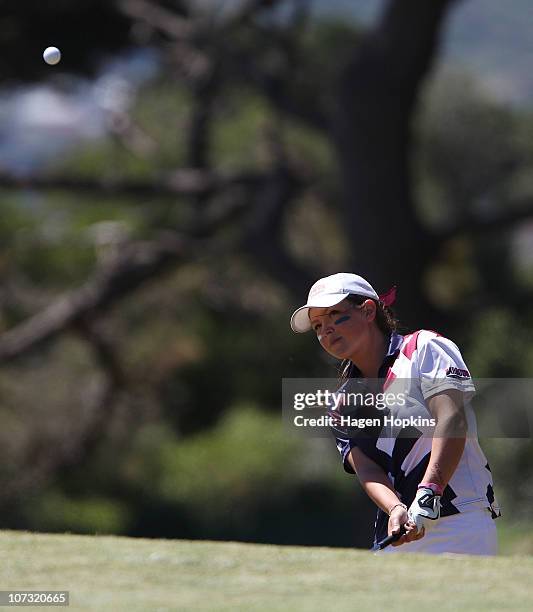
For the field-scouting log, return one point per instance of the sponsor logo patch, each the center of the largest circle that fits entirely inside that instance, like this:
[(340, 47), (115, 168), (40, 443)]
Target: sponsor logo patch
[(452, 372)]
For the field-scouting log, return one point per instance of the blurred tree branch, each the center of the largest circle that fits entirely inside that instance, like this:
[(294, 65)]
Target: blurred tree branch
[(176, 26), (517, 212), (137, 263), (103, 348), (183, 182)]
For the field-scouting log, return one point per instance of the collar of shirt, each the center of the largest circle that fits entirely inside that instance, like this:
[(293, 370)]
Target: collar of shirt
[(395, 342)]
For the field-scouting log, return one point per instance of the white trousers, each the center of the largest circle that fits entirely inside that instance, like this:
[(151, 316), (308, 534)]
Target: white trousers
[(469, 533)]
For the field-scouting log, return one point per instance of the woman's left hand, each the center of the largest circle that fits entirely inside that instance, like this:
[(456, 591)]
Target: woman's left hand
[(399, 517)]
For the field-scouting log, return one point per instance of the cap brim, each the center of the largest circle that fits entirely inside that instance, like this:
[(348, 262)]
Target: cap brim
[(300, 322)]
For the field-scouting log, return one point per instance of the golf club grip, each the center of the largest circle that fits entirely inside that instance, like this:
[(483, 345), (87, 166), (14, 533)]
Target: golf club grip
[(389, 539)]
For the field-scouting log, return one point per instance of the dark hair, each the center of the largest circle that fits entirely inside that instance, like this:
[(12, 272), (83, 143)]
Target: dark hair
[(385, 320)]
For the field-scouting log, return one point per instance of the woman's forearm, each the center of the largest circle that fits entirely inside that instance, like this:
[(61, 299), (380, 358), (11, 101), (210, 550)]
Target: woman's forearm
[(382, 494), (375, 483), (448, 439), (445, 456)]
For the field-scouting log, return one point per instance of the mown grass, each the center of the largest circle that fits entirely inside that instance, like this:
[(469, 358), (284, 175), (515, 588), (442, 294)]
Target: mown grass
[(113, 573)]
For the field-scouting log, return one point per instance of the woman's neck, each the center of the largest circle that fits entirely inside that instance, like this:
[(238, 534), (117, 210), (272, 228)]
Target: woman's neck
[(369, 362)]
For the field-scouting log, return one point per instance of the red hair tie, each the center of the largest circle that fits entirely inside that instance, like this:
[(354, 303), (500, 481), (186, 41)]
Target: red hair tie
[(389, 297)]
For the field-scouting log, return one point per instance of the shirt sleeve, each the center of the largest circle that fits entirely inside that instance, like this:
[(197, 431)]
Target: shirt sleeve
[(368, 446), (344, 446), (441, 367)]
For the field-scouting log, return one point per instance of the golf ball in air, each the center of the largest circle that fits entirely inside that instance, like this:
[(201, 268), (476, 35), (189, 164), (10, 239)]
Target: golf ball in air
[(52, 55)]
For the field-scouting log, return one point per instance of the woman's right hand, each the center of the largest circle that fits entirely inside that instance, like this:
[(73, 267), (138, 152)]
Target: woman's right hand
[(397, 518)]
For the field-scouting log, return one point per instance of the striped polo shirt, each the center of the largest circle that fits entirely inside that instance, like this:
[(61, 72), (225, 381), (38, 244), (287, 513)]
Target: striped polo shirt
[(419, 366)]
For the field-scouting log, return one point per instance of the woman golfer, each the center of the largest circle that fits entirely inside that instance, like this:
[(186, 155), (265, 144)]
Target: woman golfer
[(436, 488)]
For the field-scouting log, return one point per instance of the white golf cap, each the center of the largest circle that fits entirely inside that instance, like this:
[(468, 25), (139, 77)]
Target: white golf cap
[(329, 291)]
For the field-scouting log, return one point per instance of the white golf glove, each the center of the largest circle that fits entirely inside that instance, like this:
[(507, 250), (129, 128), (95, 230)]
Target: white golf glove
[(425, 509)]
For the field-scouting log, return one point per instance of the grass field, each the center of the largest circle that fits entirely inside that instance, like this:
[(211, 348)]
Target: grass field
[(110, 573)]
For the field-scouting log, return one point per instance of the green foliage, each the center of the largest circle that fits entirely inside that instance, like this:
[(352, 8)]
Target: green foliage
[(162, 112), (471, 151), (515, 538), (245, 461), (240, 135), (217, 331), (105, 160), (55, 239), (474, 164), (225, 464), (454, 277), (232, 481), (326, 46), (54, 511), (495, 345), (149, 144)]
